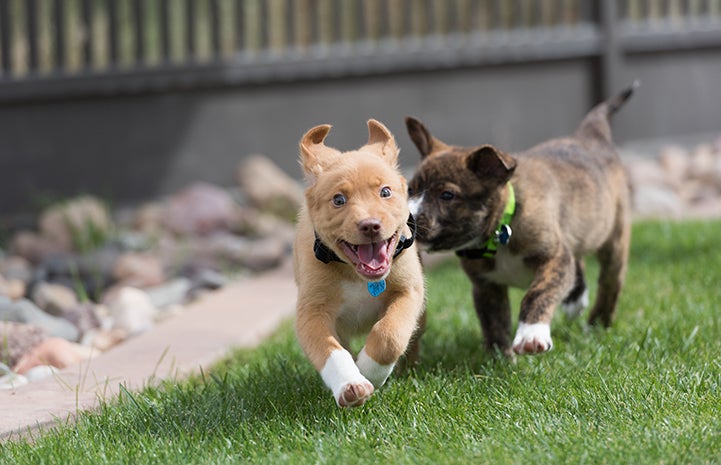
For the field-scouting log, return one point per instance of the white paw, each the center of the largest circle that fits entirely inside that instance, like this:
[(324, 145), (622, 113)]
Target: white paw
[(340, 373), (574, 308), (375, 372), (532, 338)]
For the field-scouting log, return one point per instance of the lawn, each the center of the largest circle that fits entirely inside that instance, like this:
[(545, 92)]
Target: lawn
[(646, 391)]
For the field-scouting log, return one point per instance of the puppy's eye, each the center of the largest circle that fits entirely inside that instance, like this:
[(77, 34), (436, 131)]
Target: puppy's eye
[(447, 195), (386, 192), (339, 200)]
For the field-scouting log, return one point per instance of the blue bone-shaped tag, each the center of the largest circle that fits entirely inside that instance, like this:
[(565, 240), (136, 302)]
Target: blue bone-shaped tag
[(376, 288), (503, 235)]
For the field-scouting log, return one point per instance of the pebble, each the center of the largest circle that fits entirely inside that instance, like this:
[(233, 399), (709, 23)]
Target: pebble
[(132, 310), (54, 351), (12, 381), (40, 372), (54, 299), (17, 339), (200, 209), (24, 311)]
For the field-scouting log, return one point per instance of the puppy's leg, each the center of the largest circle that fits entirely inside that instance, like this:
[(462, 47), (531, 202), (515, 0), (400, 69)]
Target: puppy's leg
[(389, 337), (612, 258), (319, 340), (494, 313), (577, 299), (553, 280), (414, 346)]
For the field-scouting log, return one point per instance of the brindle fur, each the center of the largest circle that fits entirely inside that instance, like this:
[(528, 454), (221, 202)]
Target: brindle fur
[(572, 200)]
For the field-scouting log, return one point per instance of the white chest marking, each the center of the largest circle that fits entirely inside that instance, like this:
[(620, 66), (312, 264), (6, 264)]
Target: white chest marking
[(510, 270), (414, 205), (359, 311)]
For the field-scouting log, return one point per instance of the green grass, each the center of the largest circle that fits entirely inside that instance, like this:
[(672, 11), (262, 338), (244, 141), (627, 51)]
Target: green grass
[(646, 391)]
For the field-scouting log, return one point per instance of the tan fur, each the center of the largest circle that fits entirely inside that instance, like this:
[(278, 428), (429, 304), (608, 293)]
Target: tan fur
[(572, 200), (333, 302)]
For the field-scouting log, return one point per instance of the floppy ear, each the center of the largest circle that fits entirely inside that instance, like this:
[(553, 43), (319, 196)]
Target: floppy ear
[(489, 162), (314, 154), (421, 137), (381, 140)]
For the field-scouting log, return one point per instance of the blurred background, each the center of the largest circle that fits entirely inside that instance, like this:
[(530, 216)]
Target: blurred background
[(130, 99)]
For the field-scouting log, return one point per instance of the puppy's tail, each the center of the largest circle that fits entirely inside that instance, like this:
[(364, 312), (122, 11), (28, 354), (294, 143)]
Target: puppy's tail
[(596, 121), (615, 103)]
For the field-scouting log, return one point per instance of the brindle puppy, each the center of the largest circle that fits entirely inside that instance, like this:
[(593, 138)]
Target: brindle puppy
[(528, 220)]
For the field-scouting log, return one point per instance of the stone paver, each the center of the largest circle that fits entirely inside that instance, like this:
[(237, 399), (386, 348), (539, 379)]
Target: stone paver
[(240, 315)]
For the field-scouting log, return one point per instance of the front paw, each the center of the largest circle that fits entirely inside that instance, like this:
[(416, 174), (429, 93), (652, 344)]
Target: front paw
[(355, 394), (532, 339)]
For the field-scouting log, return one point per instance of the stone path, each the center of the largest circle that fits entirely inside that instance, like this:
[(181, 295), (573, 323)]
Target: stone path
[(241, 314)]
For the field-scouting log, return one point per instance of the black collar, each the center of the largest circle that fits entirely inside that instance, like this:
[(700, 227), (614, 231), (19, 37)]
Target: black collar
[(326, 255)]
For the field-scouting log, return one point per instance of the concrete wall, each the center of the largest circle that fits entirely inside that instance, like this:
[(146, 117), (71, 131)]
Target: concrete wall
[(128, 148)]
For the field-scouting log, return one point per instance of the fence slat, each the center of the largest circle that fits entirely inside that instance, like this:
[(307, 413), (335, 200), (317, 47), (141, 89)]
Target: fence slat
[(113, 33), (31, 18), (87, 18), (164, 15), (190, 47), (59, 19), (5, 37), (215, 28), (139, 32)]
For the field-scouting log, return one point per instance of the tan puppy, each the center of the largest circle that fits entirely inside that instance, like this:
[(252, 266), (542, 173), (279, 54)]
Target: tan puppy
[(356, 265), (528, 220)]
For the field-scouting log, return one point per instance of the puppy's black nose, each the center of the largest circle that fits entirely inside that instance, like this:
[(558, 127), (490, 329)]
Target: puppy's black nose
[(370, 227)]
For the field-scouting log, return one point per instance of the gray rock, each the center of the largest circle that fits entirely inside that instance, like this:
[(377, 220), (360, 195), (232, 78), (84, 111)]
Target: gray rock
[(40, 372), (24, 311), (173, 292), (54, 299), (84, 316), (12, 381), (16, 267)]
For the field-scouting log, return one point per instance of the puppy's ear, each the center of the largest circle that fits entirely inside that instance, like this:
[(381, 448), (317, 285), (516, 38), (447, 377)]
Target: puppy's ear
[(422, 138), (381, 140), (314, 154), (489, 162)]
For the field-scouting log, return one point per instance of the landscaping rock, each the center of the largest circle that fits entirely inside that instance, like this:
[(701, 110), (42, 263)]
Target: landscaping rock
[(16, 267), (132, 310), (78, 224), (139, 270), (54, 299), (173, 292), (269, 188), (200, 209), (40, 372), (53, 351), (24, 311), (84, 316), (12, 288), (17, 339), (12, 381), (33, 247)]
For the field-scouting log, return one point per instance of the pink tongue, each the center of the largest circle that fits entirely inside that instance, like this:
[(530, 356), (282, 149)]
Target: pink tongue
[(373, 255)]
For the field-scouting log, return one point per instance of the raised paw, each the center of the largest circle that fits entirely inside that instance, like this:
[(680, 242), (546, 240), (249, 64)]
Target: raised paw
[(355, 394), (532, 339)]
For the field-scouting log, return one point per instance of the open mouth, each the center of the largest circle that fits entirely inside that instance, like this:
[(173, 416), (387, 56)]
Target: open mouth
[(372, 260)]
